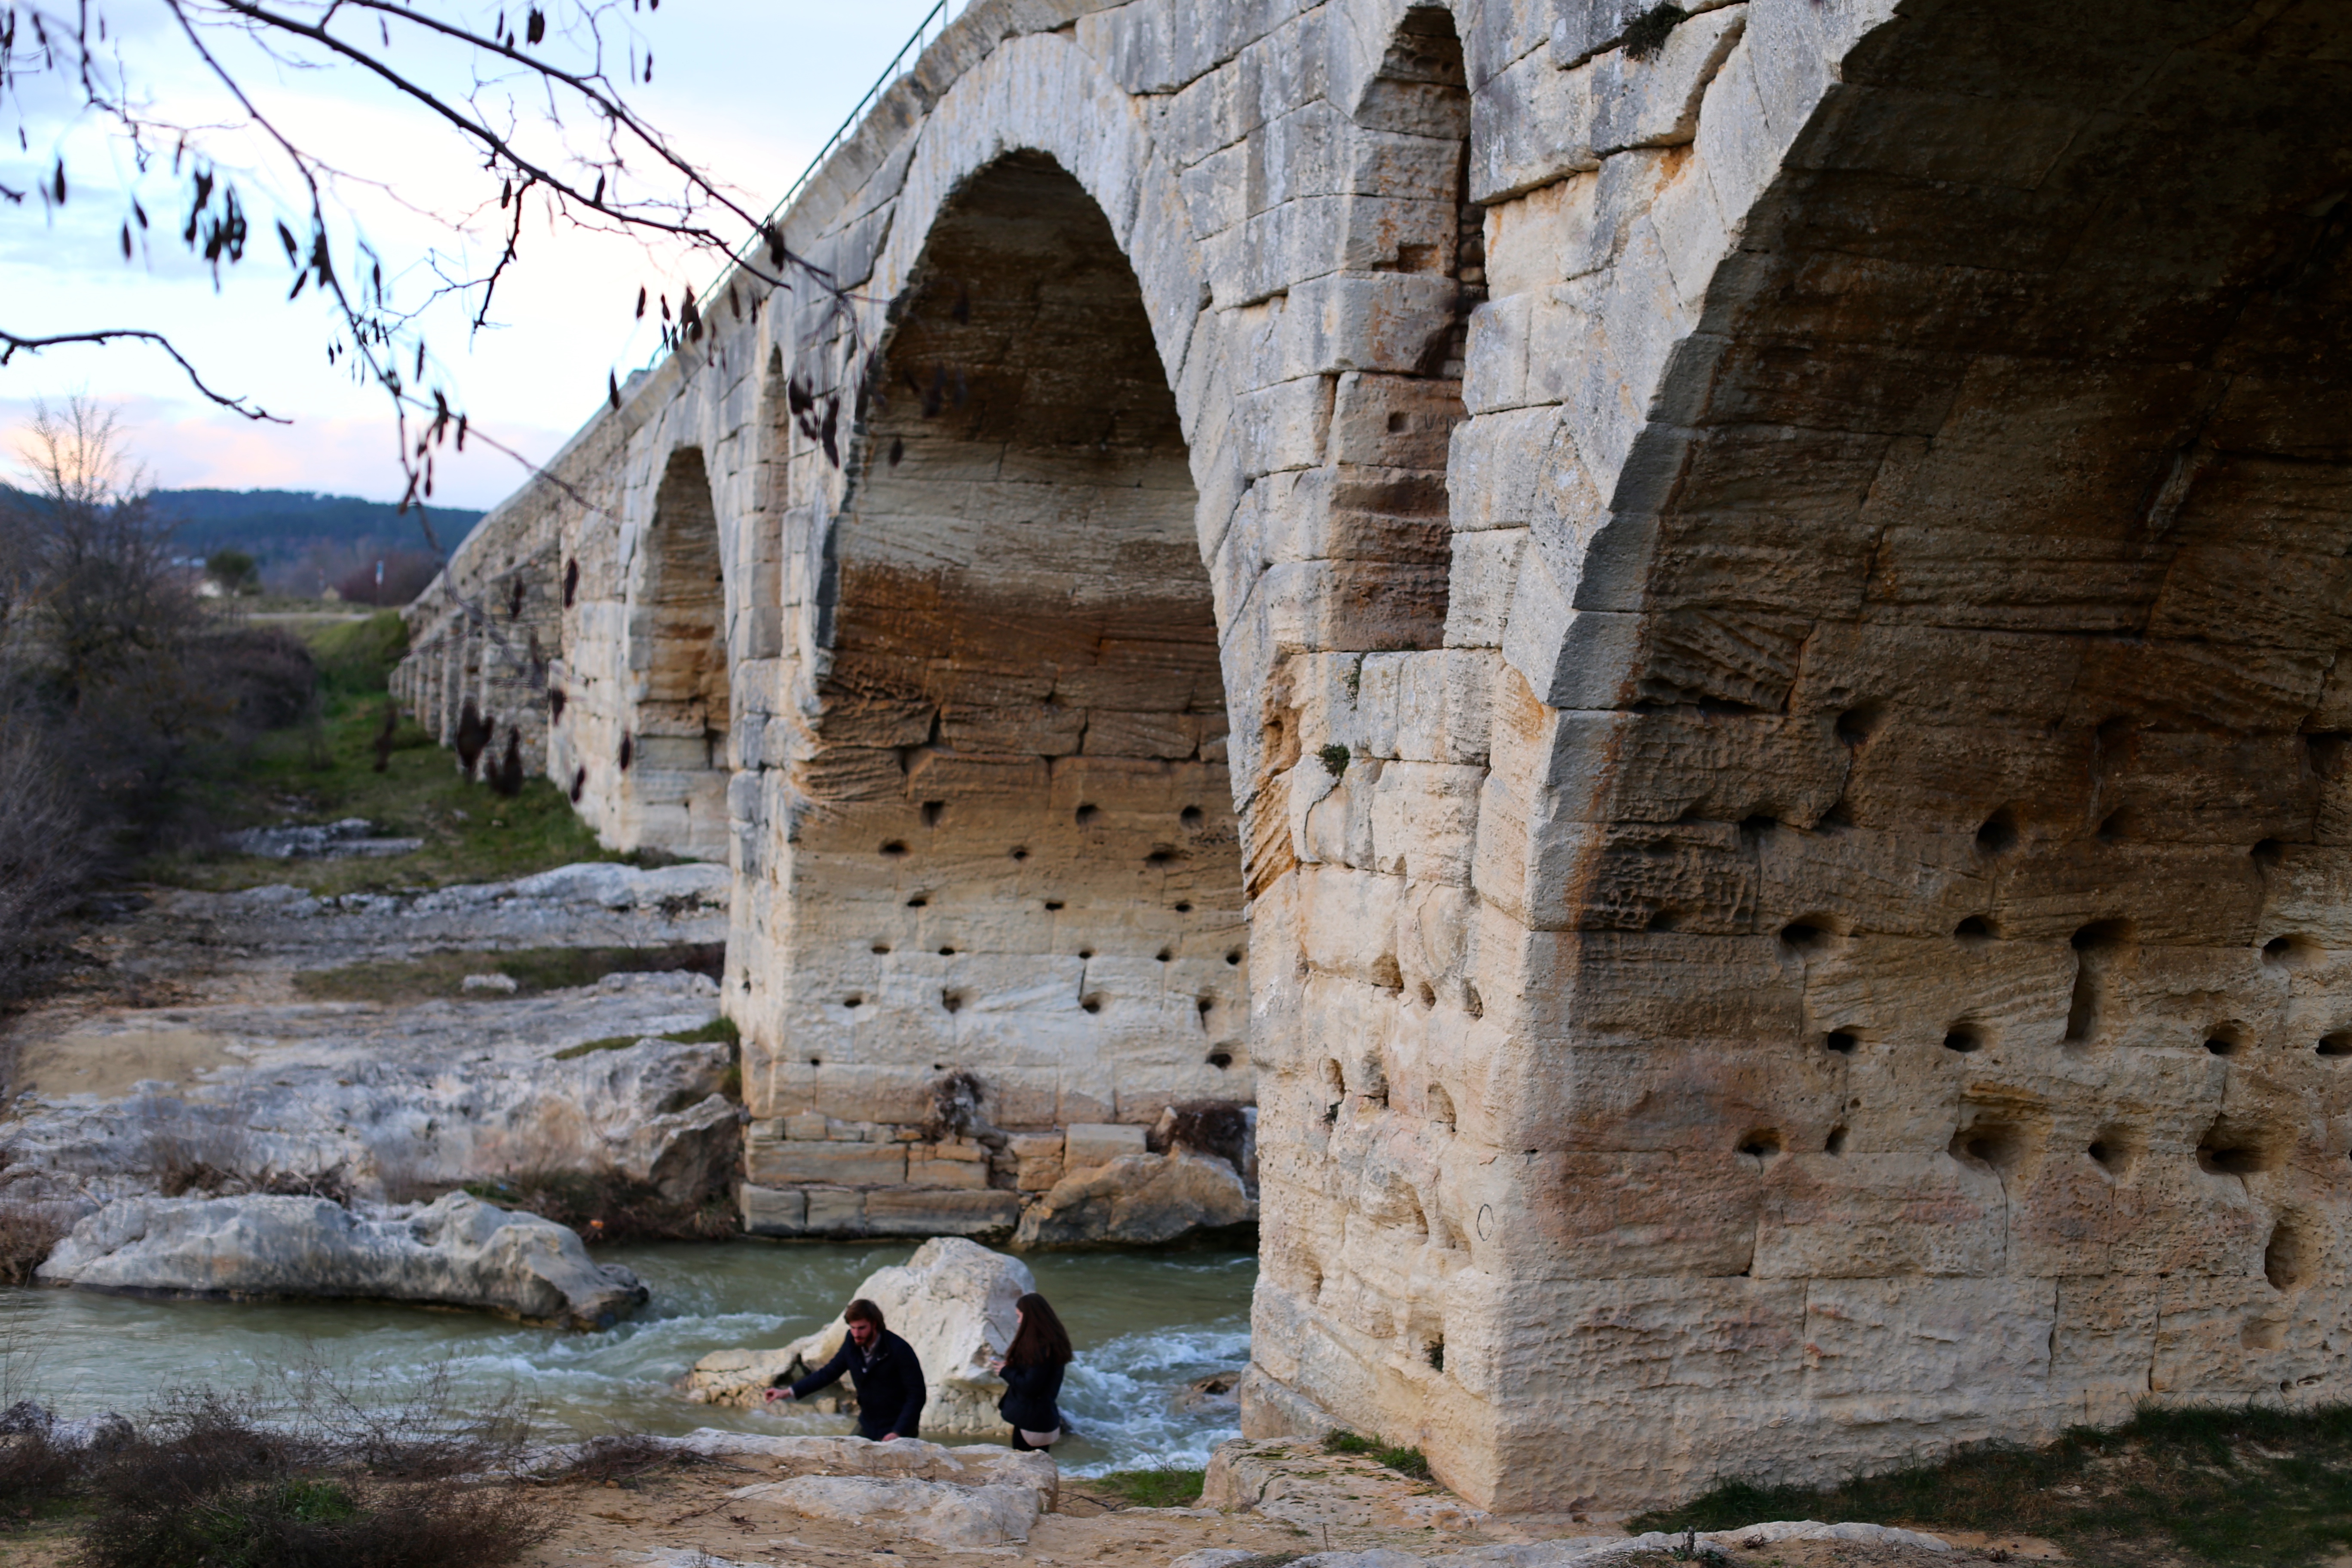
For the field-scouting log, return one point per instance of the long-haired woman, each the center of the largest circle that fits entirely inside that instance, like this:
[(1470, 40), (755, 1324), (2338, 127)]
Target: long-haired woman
[(1032, 1370)]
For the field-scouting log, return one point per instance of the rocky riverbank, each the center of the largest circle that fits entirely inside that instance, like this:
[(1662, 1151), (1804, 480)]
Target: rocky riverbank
[(382, 1048)]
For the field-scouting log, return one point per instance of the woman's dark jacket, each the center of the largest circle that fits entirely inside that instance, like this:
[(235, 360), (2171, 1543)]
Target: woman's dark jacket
[(1029, 1392), (888, 1380)]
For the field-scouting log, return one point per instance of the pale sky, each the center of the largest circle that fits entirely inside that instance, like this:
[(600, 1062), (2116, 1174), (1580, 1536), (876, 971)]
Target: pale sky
[(747, 89)]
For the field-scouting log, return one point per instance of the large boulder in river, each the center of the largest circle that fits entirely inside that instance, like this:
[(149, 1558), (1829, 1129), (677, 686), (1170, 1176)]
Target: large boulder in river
[(1141, 1199), (459, 1252), (953, 1301)]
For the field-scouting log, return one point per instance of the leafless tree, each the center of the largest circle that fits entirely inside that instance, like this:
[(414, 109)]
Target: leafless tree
[(113, 675), (539, 94), (101, 599)]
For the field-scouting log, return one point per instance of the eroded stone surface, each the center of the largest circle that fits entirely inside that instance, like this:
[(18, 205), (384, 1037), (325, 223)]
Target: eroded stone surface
[(237, 1081), (1139, 1199), (1775, 629), (457, 1252)]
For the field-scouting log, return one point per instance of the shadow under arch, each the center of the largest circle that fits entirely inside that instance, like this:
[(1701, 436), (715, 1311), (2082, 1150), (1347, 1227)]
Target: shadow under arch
[(1017, 853), (675, 778)]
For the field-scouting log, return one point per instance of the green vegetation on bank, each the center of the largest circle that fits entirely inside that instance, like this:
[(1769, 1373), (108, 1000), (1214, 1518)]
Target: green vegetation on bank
[(326, 770), (2240, 1485), (533, 969), (1403, 1461), (1163, 1486), (718, 1031)]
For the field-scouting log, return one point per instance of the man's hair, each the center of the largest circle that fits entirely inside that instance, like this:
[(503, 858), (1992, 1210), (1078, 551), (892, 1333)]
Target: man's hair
[(863, 1311)]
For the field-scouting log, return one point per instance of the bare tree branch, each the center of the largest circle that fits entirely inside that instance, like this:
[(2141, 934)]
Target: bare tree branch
[(582, 184), (10, 342)]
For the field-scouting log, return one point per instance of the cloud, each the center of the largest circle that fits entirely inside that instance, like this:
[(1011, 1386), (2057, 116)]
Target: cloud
[(186, 448), (749, 96)]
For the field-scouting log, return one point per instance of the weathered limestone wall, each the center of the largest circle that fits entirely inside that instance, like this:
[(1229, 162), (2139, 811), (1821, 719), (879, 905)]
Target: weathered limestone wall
[(485, 633), (1775, 733)]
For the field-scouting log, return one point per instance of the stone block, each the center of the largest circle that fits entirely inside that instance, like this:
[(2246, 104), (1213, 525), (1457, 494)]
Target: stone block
[(846, 1164), (1937, 1345), (907, 1210), (809, 1126), (1654, 102), (767, 1211), (1427, 706), (1285, 426), (1479, 590), (836, 1211), (1422, 821), (1530, 125), (946, 1173), (1088, 1145), (1864, 1216), (1394, 421)]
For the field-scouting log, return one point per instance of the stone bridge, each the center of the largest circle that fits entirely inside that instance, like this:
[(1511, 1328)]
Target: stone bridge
[(1702, 650)]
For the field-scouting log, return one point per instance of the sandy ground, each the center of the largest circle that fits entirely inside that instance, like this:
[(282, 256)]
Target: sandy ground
[(670, 1515), (667, 1516), (110, 1064)]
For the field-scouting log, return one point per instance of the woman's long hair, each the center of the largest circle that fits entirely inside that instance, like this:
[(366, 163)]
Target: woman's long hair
[(1042, 1340)]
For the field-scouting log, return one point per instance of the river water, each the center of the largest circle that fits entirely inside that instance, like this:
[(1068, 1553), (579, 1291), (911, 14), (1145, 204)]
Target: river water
[(1145, 1325)]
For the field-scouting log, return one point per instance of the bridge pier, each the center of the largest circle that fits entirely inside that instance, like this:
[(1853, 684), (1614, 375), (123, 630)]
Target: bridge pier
[(1749, 604)]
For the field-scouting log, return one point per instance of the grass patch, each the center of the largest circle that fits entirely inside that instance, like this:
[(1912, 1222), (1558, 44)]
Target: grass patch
[(605, 1207), (718, 1032), (326, 772), (2240, 1486), (1163, 1486), (1403, 1461), (533, 969), (356, 657)]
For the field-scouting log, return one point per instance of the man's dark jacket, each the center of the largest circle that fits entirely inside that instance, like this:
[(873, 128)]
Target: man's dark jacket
[(888, 1380)]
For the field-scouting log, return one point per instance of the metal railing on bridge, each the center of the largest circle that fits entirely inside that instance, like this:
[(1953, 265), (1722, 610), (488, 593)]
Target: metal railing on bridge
[(935, 22)]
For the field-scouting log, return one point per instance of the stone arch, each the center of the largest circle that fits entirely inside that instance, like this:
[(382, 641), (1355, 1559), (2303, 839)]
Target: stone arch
[(1041, 93), (1016, 856), (674, 781), (1946, 507)]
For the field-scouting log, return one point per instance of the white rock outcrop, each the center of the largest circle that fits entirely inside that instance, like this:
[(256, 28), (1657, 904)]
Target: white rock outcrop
[(941, 1512), (457, 1252), (976, 1495), (953, 1301), (905, 1458), (241, 1087)]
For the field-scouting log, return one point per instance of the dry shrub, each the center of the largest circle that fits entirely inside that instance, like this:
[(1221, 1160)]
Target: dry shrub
[(956, 1106), (617, 1456), (318, 1480), (405, 574), (37, 1470), (1212, 1127), (27, 1235), (45, 854), (607, 1207), (193, 1153)]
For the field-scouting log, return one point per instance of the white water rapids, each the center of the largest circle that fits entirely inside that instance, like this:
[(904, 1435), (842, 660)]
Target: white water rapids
[(1145, 1326)]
